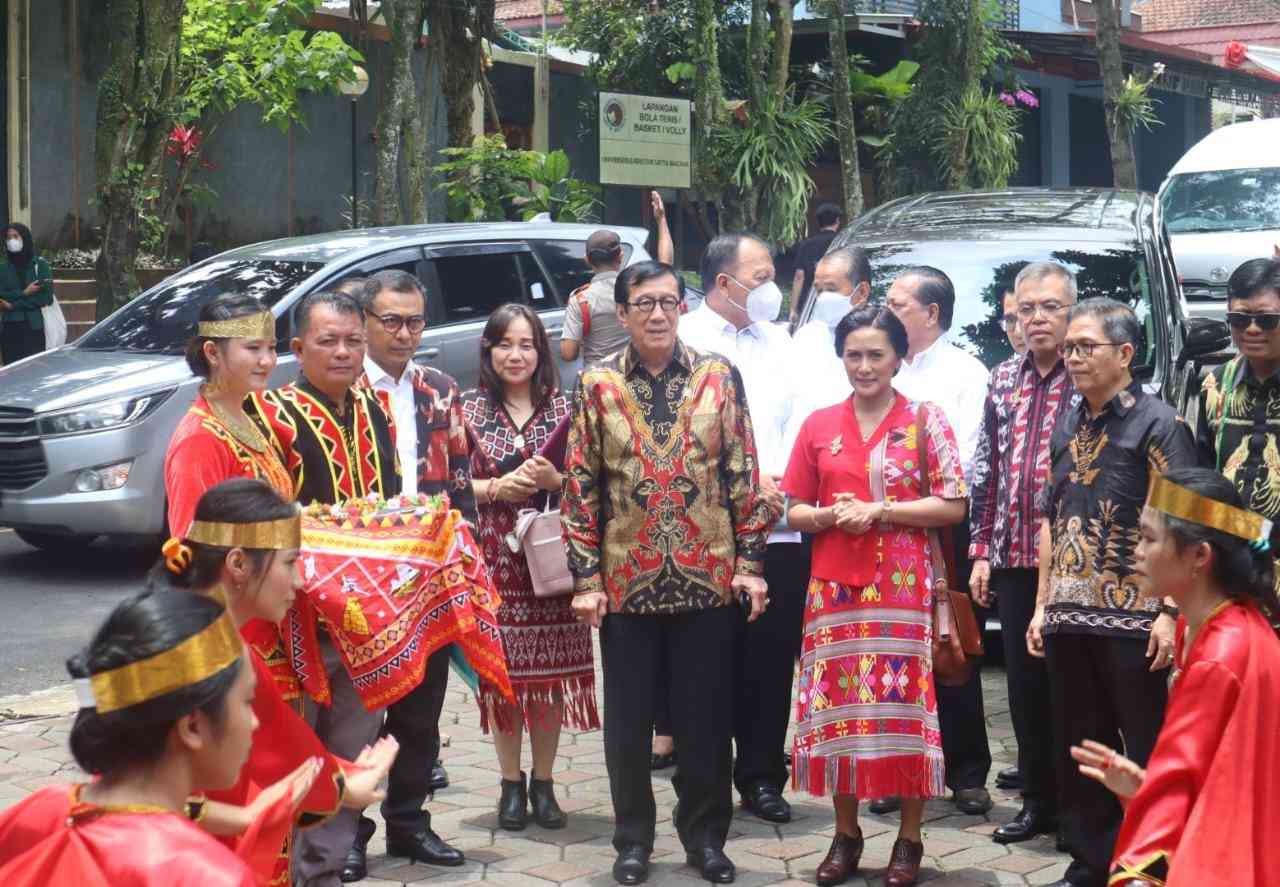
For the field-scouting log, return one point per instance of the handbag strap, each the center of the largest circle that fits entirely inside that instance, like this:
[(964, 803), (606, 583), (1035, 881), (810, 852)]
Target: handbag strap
[(935, 540)]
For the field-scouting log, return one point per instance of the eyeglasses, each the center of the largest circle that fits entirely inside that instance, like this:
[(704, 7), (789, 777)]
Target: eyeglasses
[(1242, 320), (392, 323), (1084, 349), (1048, 309), (1010, 321), (646, 305)]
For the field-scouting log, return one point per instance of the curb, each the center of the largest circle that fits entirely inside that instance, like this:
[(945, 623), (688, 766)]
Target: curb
[(53, 702)]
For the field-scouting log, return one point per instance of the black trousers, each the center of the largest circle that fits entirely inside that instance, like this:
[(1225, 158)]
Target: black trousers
[(19, 340), (698, 648), (962, 717), (415, 723), (766, 652), (1101, 689), (1027, 677)]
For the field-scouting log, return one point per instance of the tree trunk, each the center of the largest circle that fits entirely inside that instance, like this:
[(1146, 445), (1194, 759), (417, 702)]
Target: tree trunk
[(846, 131), (457, 30), (958, 178), (708, 112), (757, 54), (397, 111), (781, 13), (1124, 166), (142, 38)]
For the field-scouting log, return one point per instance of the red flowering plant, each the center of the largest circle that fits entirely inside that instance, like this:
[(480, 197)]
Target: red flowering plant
[(1236, 54)]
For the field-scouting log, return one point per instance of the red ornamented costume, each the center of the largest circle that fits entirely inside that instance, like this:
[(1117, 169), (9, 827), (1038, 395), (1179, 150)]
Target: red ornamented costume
[(54, 838), (1209, 807)]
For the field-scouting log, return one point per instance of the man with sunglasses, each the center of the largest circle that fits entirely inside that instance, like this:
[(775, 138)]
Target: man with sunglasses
[(434, 456), (1238, 430)]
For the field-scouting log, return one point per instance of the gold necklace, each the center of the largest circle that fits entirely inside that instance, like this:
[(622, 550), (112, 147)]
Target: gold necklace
[(241, 427)]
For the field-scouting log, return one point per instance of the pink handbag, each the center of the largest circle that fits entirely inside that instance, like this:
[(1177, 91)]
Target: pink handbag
[(538, 534)]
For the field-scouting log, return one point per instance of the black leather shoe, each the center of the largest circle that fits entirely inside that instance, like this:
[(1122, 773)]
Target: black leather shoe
[(631, 866), (882, 806), (1026, 825), (439, 777), (424, 846), (542, 802), (513, 806), (1009, 779), (973, 801), (356, 866), (713, 864), (767, 802), (662, 762)]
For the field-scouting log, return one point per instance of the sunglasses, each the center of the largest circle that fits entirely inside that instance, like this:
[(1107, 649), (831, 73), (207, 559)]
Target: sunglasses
[(1241, 320)]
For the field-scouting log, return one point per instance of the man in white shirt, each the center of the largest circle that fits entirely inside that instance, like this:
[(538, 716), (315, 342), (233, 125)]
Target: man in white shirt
[(434, 456), (737, 320), (924, 300)]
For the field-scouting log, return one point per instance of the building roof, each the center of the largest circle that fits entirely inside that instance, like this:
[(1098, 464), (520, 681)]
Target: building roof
[(524, 13), (1213, 40), (1168, 15)]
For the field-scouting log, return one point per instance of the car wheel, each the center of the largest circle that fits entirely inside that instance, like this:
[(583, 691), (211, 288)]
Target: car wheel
[(55, 541)]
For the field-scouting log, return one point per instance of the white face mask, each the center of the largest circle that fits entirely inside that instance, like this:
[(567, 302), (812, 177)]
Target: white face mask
[(763, 303), (830, 307), (14, 244)]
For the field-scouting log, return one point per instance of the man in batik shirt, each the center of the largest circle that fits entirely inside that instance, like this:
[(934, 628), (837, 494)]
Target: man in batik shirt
[(666, 531), (1106, 643)]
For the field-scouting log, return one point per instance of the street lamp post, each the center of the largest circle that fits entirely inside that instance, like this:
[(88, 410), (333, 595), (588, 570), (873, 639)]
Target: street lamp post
[(354, 88)]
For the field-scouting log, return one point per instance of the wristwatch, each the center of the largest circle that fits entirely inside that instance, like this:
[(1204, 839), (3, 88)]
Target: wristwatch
[(1169, 610), (886, 508)]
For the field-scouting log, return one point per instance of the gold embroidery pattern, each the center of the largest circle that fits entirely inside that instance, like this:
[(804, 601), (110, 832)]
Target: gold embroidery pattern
[(1086, 447)]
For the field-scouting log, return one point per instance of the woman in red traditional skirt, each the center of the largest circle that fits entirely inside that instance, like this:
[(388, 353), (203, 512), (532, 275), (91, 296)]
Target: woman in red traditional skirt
[(165, 712), (1204, 812), (512, 415), (867, 716), (242, 547)]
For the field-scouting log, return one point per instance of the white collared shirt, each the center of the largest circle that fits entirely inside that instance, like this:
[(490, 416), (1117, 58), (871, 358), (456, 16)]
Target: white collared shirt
[(819, 377), (403, 411), (761, 352), (957, 382)]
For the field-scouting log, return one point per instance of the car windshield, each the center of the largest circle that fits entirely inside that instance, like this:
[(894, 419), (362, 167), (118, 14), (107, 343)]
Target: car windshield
[(164, 319), (1226, 200), (983, 270)]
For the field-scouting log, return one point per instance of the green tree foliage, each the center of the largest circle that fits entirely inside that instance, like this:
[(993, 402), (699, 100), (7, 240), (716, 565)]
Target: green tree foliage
[(490, 182)]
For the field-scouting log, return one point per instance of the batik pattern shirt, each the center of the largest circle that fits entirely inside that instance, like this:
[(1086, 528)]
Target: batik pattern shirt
[(1102, 467), (1012, 461), (661, 501)]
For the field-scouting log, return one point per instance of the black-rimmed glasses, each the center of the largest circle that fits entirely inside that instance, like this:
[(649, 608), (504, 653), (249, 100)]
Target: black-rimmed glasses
[(392, 323), (646, 304), (1084, 349)]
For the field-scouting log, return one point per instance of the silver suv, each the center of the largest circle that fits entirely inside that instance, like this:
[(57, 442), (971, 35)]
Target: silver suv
[(84, 429)]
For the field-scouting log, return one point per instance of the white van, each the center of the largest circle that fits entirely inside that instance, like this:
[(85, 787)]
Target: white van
[(1221, 206)]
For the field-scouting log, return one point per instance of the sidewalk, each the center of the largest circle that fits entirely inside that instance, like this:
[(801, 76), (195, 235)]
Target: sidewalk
[(958, 849)]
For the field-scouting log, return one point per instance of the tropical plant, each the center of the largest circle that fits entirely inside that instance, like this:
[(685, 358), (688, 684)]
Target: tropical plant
[(490, 182), (1134, 105), (979, 140), (549, 189)]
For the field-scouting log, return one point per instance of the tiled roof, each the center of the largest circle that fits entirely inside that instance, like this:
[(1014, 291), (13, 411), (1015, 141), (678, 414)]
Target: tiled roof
[(1166, 15), (1213, 41), (513, 10)]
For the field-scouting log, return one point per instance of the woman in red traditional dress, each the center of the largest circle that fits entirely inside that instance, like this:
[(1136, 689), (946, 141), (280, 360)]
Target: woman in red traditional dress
[(242, 547), (1205, 811), (866, 716), (234, 349), (166, 711), (512, 416)]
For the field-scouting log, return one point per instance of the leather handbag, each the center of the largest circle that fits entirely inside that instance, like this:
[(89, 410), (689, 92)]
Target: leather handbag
[(538, 534), (957, 642)]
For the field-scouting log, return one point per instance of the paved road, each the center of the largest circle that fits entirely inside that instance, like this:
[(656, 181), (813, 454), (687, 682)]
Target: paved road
[(51, 601)]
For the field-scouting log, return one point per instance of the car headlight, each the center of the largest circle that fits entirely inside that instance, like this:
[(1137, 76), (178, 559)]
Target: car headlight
[(100, 416)]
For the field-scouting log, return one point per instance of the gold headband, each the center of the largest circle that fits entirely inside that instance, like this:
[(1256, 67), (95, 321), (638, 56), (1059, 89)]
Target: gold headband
[(252, 326), (1177, 501), (198, 658), (273, 535)]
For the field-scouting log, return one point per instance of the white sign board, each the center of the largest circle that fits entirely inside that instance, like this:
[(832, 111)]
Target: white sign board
[(644, 140)]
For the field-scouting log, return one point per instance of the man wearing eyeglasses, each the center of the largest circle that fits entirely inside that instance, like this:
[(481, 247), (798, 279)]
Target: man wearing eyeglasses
[(1105, 639), (434, 456), (1009, 320), (1239, 422)]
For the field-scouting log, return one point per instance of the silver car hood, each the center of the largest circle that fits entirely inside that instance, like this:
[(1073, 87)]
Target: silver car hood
[(1210, 258), (70, 376)]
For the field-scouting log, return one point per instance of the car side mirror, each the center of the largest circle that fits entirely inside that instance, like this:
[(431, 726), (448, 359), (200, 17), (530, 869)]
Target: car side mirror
[(1205, 336)]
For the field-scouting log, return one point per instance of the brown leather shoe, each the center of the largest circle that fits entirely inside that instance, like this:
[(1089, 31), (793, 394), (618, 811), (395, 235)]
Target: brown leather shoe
[(842, 859), (904, 863)]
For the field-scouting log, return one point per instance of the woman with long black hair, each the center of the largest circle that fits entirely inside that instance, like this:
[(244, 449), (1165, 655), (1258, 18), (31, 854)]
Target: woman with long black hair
[(26, 286)]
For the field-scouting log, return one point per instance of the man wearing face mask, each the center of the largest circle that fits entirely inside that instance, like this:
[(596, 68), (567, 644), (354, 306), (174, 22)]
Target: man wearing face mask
[(842, 282), (737, 320)]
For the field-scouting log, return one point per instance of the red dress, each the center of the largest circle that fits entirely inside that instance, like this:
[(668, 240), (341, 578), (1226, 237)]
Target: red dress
[(1209, 808), (866, 713), (548, 651), (53, 838)]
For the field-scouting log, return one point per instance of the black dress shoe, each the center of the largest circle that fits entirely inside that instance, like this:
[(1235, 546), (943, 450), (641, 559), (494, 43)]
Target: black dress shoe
[(542, 803), (713, 864), (424, 846), (767, 802), (1026, 825), (631, 866), (1009, 779), (513, 806), (882, 806), (356, 866), (439, 777), (662, 762), (973, 801)]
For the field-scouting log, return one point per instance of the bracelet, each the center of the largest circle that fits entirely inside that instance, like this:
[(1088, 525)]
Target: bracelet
[(490, 490), (1169, 610)]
